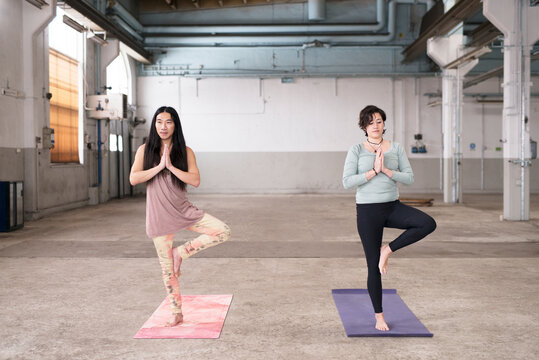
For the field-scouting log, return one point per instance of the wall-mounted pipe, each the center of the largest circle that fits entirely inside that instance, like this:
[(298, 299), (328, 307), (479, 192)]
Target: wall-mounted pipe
[(317, 10), (99, 155), (98, 86)]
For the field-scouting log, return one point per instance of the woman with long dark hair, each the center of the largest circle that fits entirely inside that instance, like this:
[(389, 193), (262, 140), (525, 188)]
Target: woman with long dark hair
[(167, 165), (374, 167)]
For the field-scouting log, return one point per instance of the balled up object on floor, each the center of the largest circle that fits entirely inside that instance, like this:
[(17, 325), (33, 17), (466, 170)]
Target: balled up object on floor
[(357, 314), (203, 318)]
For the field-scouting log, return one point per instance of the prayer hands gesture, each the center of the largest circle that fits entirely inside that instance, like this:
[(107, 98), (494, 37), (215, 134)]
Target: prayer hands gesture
[(379, 161), (165, 159), (168, 163)]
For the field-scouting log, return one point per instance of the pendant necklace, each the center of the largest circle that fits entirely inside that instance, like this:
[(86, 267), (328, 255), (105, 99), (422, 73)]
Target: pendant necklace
[(373, 143)]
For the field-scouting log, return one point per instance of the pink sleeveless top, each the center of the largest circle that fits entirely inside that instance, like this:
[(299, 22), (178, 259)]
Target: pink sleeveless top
[(167, 208)]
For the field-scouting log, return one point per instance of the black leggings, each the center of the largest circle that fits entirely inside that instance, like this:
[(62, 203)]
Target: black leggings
[(371, 220)]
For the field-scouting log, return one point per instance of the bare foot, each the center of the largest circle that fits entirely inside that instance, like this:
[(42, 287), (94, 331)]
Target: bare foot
[(381, 322), (176, 261), (175, 319), (385, 251)]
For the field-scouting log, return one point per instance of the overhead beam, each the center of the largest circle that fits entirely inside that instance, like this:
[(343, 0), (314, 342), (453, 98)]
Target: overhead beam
[(482, 77), (470, 55), (490, 74), (171, 3), (38, 3), (113, 29), (483, 35), (457, 14)]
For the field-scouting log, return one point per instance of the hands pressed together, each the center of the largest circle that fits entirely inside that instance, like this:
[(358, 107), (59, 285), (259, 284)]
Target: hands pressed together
[(379, 161), (165, 159), (379, 166)]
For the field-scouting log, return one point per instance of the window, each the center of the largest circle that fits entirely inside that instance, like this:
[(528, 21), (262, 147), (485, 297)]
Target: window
[(65, 85), (116, 143), (64, 107)]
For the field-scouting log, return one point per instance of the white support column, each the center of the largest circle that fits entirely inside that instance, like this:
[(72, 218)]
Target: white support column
[(444, 50), (34, 22), (518, 23)]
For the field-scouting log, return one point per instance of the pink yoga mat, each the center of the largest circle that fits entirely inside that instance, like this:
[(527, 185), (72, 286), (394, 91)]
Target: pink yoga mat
[(203, 318)]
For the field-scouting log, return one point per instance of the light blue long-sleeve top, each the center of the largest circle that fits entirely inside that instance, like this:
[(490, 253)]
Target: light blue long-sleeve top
[(380, 188)]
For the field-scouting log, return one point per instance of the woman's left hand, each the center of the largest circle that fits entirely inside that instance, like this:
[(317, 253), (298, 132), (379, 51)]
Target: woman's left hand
[(384, 169)]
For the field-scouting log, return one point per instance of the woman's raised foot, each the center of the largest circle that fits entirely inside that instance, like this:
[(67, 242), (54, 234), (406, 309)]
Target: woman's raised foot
[(385, 251)]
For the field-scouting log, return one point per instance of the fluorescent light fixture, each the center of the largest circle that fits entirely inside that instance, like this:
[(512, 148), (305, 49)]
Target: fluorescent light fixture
[(474, 54), (73, 24), (93, 36), (38, 3)]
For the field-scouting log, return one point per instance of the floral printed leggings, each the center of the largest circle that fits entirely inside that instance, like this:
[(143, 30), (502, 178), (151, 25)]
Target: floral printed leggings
[(214, 232)]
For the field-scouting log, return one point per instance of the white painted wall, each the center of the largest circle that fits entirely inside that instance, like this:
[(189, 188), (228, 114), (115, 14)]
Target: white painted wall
[(252, 115), (314, 114), (309, 116)]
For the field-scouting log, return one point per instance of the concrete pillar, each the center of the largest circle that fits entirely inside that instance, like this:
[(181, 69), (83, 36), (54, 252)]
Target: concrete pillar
[(517, 20), (34, 21), (444, 50)]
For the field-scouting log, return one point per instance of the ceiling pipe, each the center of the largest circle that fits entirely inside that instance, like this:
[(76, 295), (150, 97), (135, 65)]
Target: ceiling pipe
[(317, 10), (119, 21), (308, 29), (381, 19), (115, 8), (233, 37)]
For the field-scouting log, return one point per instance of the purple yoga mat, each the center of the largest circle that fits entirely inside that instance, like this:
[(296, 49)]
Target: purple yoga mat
[(357, 314)]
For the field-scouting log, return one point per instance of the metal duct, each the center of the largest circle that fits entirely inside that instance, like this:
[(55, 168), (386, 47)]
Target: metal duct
[(381, 20), (116, 8), (276, 40), (224, 31), (265, 38), (317, 10)]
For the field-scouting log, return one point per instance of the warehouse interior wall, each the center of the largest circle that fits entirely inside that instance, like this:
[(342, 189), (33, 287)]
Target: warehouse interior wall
[(263, 135), (250, 135)]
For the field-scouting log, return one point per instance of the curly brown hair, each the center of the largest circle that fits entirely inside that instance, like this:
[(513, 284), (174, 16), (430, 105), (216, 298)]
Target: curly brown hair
[(365, 117)]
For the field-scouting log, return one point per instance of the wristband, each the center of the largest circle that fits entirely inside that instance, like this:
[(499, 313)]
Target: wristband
[(374, 171)]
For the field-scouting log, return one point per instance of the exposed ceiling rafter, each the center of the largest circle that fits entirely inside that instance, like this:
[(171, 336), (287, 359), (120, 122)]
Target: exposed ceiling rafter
[(112, 29), (457, 14), (38, 3), (483, 35), (482, 77)]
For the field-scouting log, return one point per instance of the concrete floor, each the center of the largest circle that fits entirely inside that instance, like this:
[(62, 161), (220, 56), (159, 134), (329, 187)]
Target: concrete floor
[(79, 284)]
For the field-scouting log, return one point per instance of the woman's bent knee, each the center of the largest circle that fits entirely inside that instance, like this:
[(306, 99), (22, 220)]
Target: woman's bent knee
[(430, 225), (225, 234)]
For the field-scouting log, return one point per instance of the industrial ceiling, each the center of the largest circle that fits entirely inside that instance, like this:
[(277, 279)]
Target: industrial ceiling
[(328, 37)]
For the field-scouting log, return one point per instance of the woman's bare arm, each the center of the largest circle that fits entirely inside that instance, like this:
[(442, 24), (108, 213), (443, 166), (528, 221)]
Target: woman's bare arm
[(138, 174), (192, 175)]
